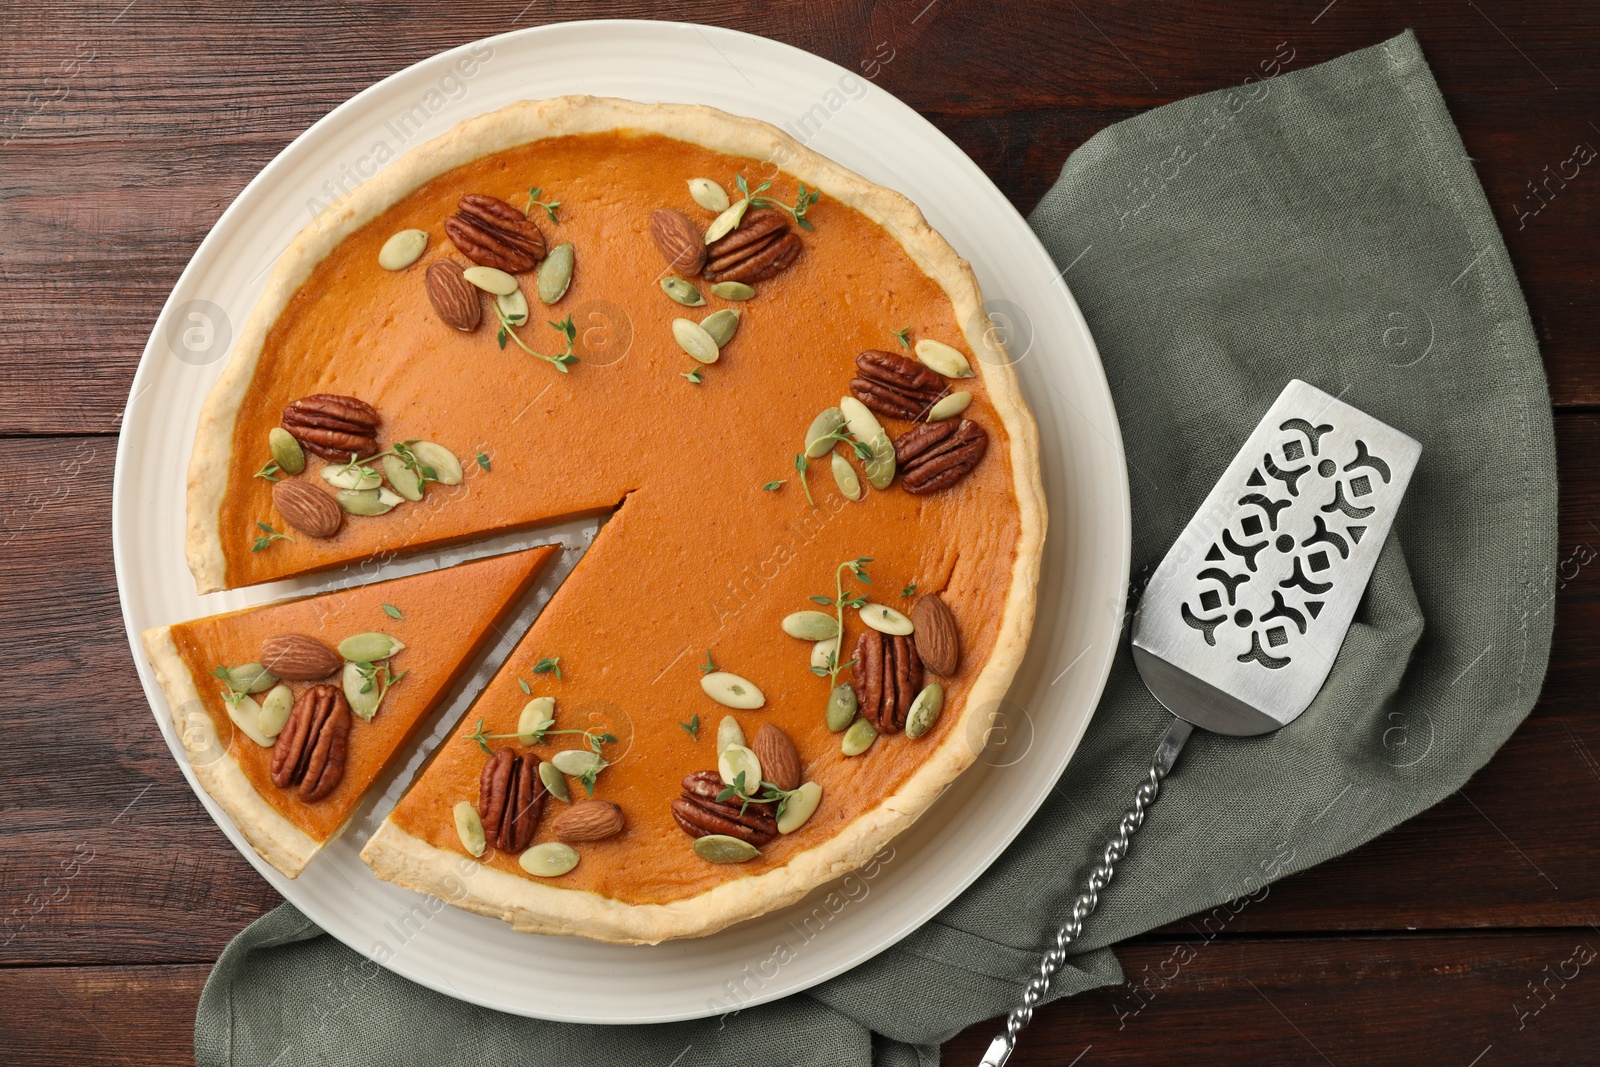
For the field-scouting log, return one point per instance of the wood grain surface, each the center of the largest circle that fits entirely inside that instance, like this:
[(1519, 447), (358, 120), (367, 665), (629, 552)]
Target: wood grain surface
[(1462, 938)]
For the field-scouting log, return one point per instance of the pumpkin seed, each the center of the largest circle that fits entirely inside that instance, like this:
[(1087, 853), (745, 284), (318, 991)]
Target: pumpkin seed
[(728, 221), (491, 280), (925, 710), (405, 481), (363, 693), (818, 439), (729, 733), (841, 707), (721, 325), (251, 678), (736, 760), (949, 407), (362, 502), (864, 425), (402, 249), (859, 737), (720, 848), (822, 650), (286, 451), (733, 291), (554, 781), (578, 761), (732, 691), (682, 292), (886, 620), (388, 498), (537, 714), (549, 860), (446, 467), (514, 306), (246, 715), (469, 827), (844, 476), (880, 468), (811, 625), (357, 476), (369, 647), (799, 807), (708, 194), (940, 357), (693, 339), (555, 273), (275, 708)]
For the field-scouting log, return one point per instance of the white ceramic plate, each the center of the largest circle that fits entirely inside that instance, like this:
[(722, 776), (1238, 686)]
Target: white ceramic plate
[(842, 115)]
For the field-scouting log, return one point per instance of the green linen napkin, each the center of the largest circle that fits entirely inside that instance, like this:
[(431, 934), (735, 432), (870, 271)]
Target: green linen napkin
[(1323, 224)]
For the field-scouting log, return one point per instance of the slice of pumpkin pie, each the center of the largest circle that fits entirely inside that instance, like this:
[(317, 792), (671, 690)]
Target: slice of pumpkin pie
[(289, 712)]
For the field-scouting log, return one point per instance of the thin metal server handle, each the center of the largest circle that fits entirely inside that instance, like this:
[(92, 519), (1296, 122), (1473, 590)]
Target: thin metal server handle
[(1160, 766)]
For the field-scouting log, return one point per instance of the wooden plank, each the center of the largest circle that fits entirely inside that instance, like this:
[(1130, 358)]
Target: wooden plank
[(89, 1016), (1465, 1001), (1018, 93)]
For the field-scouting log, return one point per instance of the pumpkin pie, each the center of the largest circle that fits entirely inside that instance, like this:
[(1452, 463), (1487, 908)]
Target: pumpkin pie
[(818, 575), (289, 712)]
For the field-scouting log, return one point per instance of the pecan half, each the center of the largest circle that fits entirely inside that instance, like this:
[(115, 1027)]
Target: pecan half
[(510, 800), (895, 385), (887, 677), (333, 426), (491, 232), (311, 749), (762, 246), (937, 455), (699, 813)]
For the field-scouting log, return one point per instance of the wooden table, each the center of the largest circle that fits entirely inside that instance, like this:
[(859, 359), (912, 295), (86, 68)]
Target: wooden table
[(1466, 937)]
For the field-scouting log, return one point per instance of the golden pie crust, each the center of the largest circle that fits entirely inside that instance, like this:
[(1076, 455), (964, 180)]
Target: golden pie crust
[(1001, 613)]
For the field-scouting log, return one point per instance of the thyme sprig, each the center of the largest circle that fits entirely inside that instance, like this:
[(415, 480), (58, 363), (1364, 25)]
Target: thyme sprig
[(841, 435), (270, 471), (842, 599), (561, 360), (800, 465), (769, 794), (534, 193), (596, 741), (803, 202), (268, 535), (378, 674)]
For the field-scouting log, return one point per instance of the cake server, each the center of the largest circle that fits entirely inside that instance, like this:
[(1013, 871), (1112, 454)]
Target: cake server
[(1239, 626)]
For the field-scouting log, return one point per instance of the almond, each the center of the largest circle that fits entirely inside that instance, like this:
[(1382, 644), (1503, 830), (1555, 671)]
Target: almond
[(937, 640), (452, 296), (588, 820), (310, 511), (780, 763), (299, 657), (679, 240)]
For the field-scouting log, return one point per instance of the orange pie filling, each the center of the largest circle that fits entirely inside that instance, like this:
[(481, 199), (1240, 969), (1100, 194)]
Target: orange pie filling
[(720, 529)]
